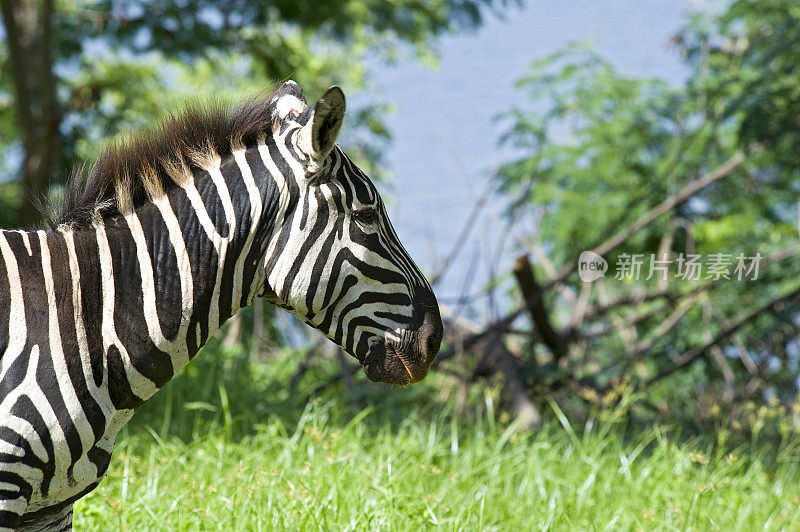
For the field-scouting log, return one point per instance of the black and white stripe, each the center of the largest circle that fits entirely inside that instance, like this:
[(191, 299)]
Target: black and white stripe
[(99, 313)]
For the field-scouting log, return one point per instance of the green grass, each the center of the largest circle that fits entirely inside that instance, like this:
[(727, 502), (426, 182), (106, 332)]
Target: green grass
[(397, 466)]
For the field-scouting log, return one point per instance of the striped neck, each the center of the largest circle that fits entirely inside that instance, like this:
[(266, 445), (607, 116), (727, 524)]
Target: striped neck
[(160, 280)]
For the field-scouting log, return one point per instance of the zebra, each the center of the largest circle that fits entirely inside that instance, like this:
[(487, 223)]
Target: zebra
[(168, 235)]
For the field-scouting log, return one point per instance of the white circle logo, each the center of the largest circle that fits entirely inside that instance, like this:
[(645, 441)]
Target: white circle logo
[(591, 266)]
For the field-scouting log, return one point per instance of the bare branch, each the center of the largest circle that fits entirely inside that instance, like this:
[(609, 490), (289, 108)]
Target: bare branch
[(501, 358), (642, 297), (539, 316), (693, 354), (668, 204)]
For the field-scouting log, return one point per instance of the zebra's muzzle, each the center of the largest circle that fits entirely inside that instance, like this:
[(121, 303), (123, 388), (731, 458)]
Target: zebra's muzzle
[(405, 356), (385, 363)]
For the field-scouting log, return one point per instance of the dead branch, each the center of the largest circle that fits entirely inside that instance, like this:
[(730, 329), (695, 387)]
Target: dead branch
[(449, 314), (635, 319), (663, 292), (693, 354), (531, 292), (499, 357), (718, 357), (471, 340), (644, 347), (668, 204), (580, 305), (494, 358)]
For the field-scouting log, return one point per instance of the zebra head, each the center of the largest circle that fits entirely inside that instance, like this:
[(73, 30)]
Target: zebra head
[(334, 260)]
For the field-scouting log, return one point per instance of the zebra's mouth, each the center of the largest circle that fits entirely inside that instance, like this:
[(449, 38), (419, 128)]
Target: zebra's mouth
[(392, 361)]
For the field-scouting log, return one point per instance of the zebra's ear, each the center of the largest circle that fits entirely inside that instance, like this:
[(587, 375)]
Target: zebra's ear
[(323, 128)]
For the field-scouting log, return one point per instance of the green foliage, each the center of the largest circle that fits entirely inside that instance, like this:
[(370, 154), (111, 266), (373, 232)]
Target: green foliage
[(600, 145), (604, 148), (748, 59), (119, 65), (601, 149), (10, 194)]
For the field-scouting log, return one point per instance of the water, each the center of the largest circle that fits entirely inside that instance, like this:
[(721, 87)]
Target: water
[(446, 131)]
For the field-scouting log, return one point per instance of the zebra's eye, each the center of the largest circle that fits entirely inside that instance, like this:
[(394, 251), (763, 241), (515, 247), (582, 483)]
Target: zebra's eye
[(368, 215)]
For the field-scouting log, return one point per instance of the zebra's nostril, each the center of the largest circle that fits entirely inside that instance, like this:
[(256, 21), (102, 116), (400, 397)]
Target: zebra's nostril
[(429, 331), (432, 344)]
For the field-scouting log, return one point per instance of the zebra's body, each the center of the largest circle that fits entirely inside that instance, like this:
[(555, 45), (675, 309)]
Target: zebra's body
[(99, 313)]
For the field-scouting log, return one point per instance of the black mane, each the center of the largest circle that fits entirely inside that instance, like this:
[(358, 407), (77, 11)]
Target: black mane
[(129, 167)]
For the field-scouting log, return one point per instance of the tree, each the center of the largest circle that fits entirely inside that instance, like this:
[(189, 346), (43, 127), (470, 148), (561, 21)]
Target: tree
[(632, 168), (73, 72), (28, 27)]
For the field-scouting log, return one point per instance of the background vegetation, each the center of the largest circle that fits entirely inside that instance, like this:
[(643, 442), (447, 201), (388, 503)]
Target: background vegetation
[(619, 403), (707, 168)]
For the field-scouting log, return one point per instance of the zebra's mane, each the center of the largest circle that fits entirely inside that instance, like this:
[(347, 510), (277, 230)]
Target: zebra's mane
[(145, 164)]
